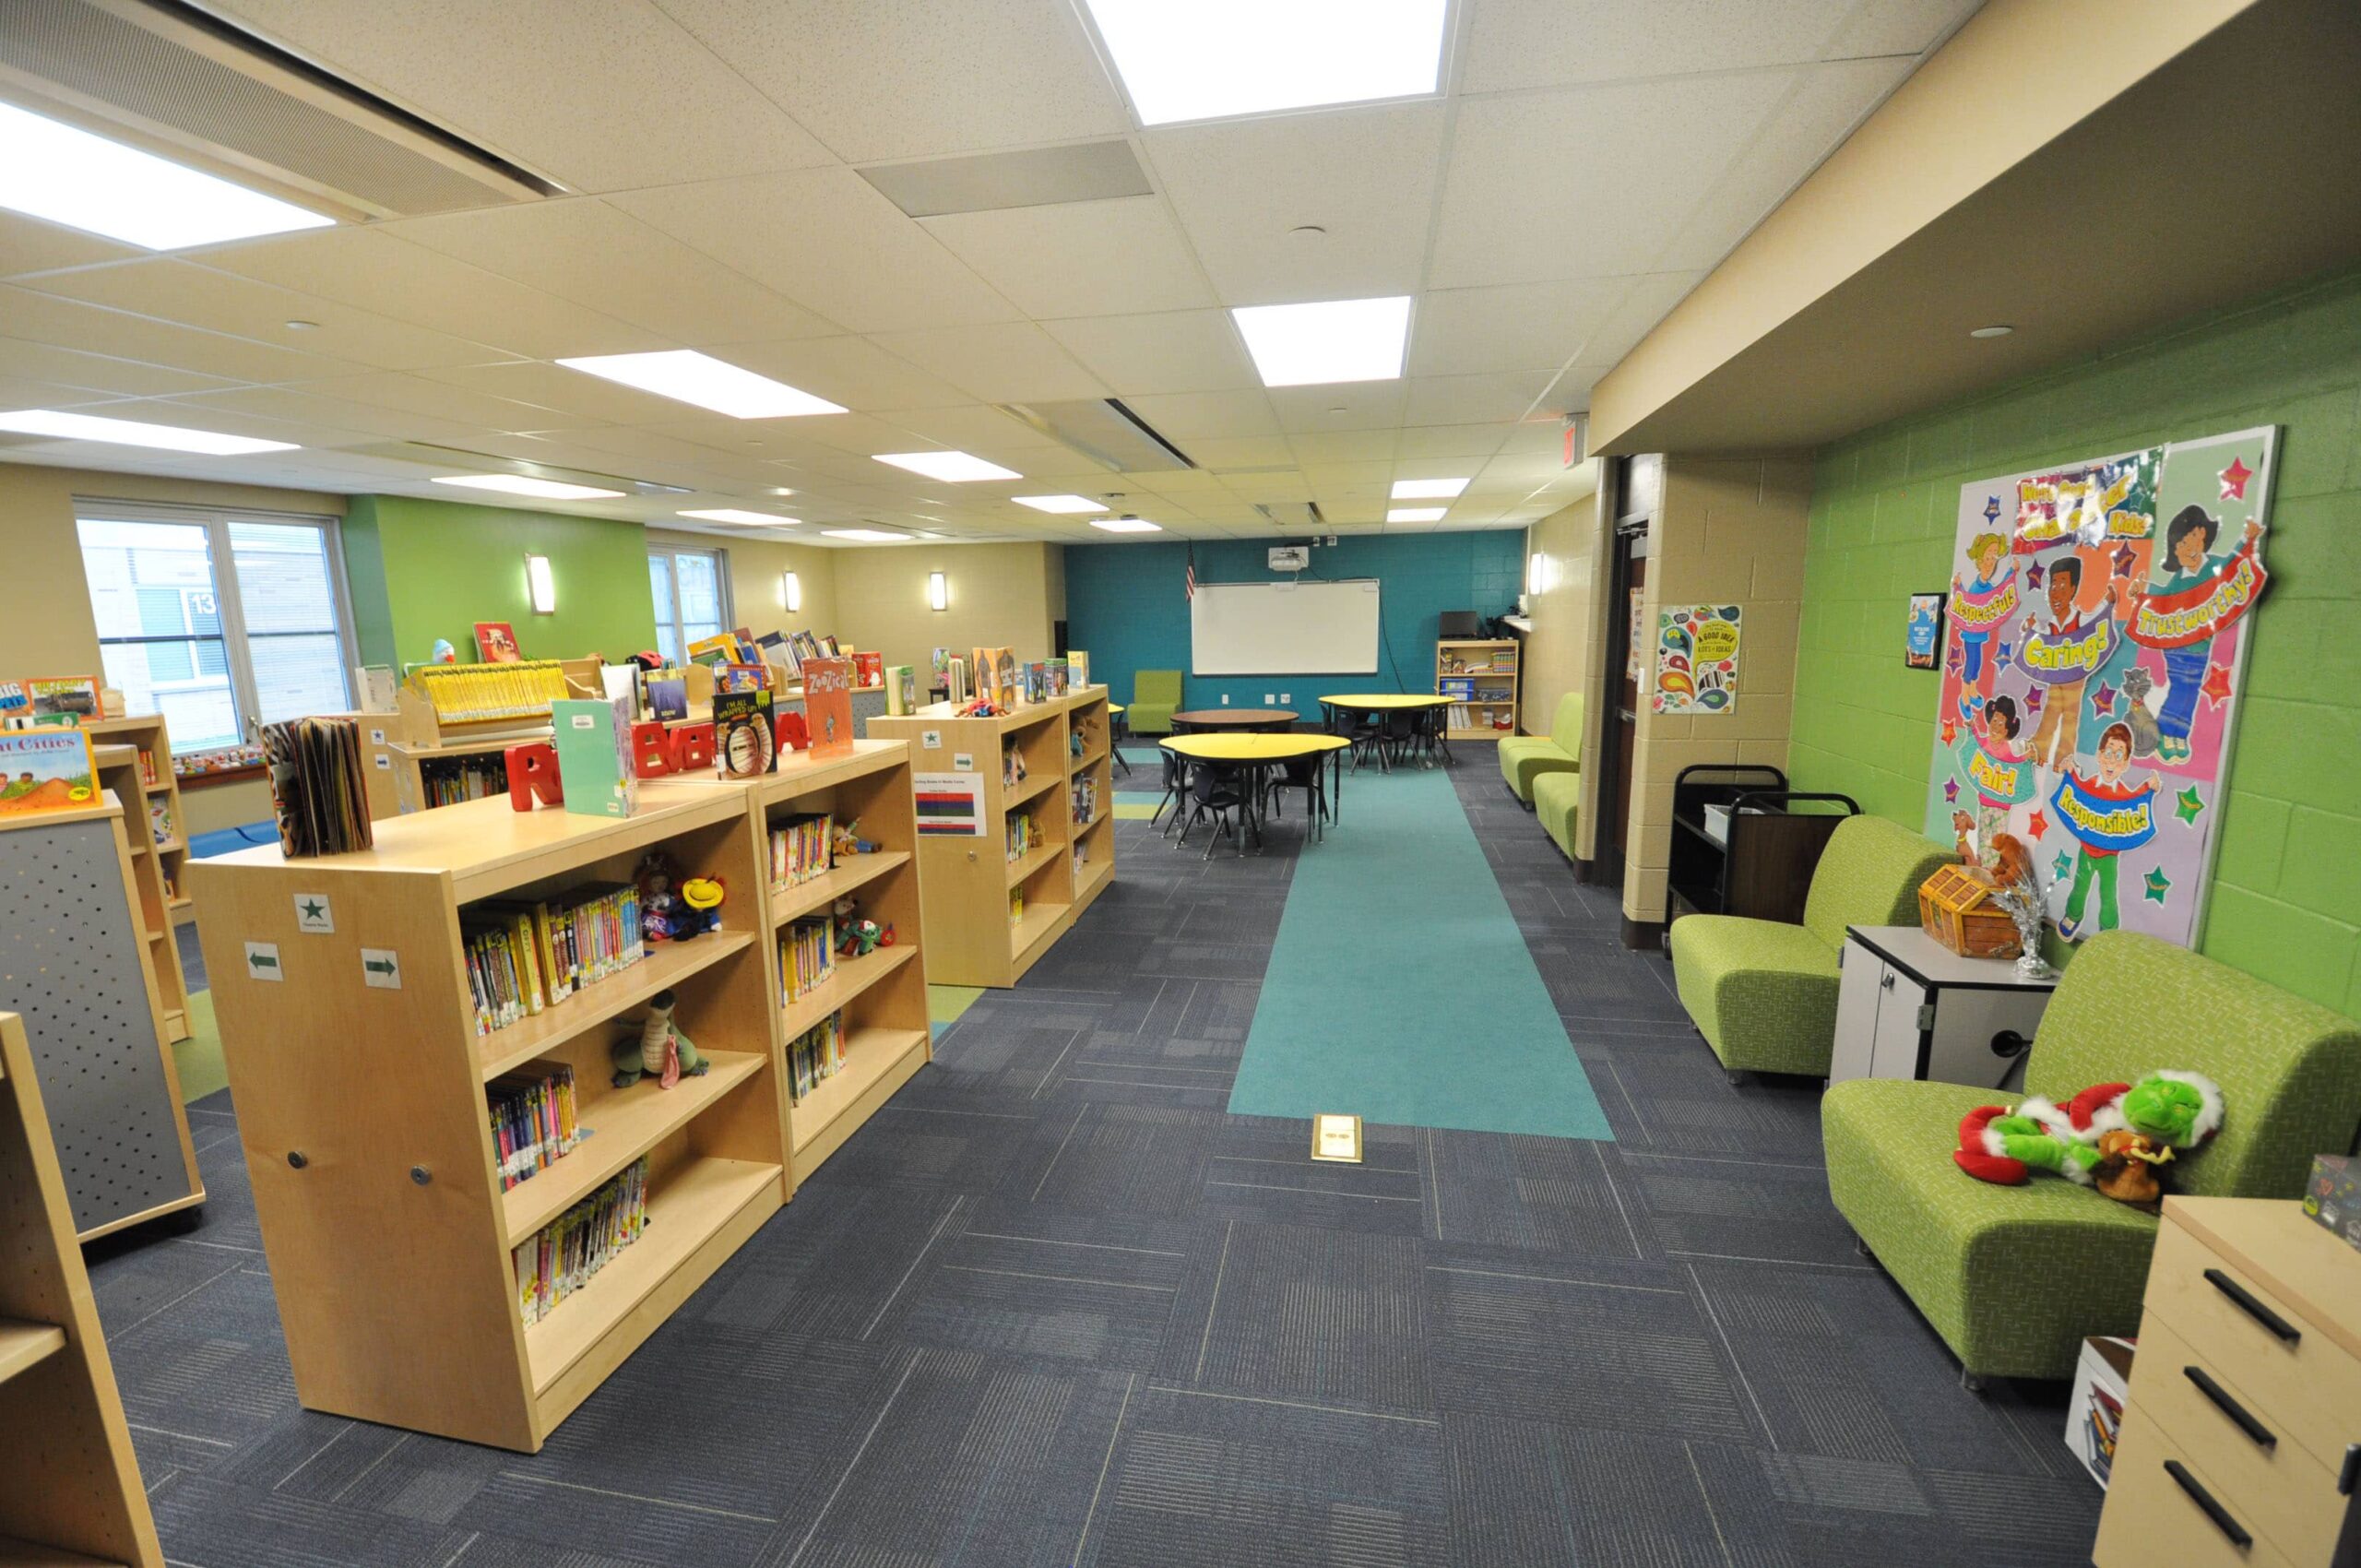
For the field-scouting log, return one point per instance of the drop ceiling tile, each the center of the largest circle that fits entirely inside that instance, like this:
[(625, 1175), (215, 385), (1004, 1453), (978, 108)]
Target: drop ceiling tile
[(972, 428), (179, 291), (863, 436), (853, 372), (599, 95), (27, 244), (1829, 100), (1008, 361), (442, 400), (1195, 351), (1358, 405), (1898, 26), (69, 323), (301, 403), (1515, 44), (21, 392), (310, 433), (1511, 326), (1650, 297), (1080, 258), (1443, 441), (98, 372), (1316, 447), (1367, 175), (1184, 417), (582, 399), (1628, 166), (1223, 453), (372, 269), (828, 240), (916, 78), (1470, 399), (1269, 488), (598, 256)]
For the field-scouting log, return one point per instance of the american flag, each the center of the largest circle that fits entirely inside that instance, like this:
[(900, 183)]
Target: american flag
[(1190, 582)]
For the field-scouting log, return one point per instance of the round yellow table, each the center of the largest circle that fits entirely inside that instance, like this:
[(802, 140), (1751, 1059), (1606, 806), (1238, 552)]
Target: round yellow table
[(1344, 703), (1251, 753), (1116, 735)]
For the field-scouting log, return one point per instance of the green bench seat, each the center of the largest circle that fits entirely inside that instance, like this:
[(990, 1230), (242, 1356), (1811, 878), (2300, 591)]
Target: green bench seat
[(1525, 758), (1557, 799)]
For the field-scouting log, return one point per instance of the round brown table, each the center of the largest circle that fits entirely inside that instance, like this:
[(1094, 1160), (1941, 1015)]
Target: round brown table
[(1204, 720)]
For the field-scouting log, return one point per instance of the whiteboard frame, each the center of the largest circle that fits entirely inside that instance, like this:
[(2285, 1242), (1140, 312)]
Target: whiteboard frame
[(1374, 586)]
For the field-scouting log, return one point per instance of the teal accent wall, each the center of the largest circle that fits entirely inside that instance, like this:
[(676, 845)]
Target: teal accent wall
[(1126, 606), (2286, 898), (420, 570)]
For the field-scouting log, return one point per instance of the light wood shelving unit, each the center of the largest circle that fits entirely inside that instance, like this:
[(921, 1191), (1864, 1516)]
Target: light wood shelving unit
[(70, 1492), (1488, 662), (148, 732), (119, 770), (364, 1114), (967, 882)]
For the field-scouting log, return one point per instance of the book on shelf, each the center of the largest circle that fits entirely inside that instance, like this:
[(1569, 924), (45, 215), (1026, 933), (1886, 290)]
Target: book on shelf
[(807, 958), (800, 847), (51, 769), (497, 643), (147, 767), (901, 688), (565, 1255), (1017, 907), (536, 1121), (1059, 674), (474, 693), (1077, 670), (594, 760), (522, 957), (318, 788), (1025, 835), (815, 1055), (1085, 802), (868, 669), (445, 781), (745, 744), (827, 705), (1013, 769)]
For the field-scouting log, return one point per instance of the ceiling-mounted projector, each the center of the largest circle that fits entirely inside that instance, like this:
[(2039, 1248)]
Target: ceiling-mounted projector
[(1290, 557)]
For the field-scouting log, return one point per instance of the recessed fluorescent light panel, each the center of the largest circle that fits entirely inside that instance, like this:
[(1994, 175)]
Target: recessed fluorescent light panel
[(1415, 514), (1060, 503), (751, 519), (69, 176), (1210, 58), (952, 467), (1334, 340), (133, 433), (866, 536), (687, 376), (525, 484), (1428, 489), (1126, 525)]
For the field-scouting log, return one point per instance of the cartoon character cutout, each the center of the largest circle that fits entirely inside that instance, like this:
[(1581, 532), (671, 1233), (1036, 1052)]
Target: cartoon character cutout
[(2061, 658), (2193, 597), (2108, 814), (1995, 766), (1980, 607)]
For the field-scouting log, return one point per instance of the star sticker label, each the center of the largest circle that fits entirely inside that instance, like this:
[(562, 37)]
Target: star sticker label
[(313, 916)]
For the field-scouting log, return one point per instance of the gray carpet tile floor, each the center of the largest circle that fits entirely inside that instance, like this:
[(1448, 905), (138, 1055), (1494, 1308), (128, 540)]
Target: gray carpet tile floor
[(1054, 1307)]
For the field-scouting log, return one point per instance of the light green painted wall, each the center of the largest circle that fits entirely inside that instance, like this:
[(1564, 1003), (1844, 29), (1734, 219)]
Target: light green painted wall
[(420, 570), (2286, 898)]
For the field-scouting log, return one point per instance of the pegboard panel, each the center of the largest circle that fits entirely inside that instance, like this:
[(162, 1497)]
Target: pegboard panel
[(69, 962)]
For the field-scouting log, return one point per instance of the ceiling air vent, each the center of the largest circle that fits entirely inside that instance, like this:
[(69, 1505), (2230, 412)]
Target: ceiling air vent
[(1104, 431), (183, 84)]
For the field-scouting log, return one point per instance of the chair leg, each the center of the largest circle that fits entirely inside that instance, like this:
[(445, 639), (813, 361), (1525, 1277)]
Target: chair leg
[(1971, 1383)]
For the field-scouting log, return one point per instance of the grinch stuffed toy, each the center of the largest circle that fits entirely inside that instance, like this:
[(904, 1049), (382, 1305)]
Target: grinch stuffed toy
[(2111, 1136), (660, 1049)]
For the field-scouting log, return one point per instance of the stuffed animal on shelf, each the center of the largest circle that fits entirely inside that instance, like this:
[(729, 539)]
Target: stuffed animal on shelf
[(667, 911), (858, 939), (2113, 1138), (658, 1050), (703, 895), (847, 841)]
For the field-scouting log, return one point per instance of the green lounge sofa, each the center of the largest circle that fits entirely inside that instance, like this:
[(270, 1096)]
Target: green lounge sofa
[(1763, 993), (1557, 799), (1156, 696), (1525, 758), (2014, 1278)]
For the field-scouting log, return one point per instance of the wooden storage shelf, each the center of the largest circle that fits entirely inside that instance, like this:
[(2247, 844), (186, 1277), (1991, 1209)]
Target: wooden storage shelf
[(148, 732), (1479, 661), (848, 978), (666, 966), (71, 1493), (797, 899), (968, 880), (119, 770), (874, 1059)]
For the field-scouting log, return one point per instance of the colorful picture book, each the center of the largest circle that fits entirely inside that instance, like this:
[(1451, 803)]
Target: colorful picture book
[(567, 1252), (497, 643), (801, 848), (55, 700), (1085, 802), (668, 695), (525, 957), (46, 770), (815, 1055), (869, 670), (1025, 835), (535, 1121), (827, 705), (807, 958), (1077, 669), (745, 743), (445, 781), (318, 787), (594, 756)]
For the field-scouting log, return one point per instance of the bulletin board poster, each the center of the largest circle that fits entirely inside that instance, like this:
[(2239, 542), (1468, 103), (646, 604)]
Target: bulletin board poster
[(2093, 669), (1697, 659)]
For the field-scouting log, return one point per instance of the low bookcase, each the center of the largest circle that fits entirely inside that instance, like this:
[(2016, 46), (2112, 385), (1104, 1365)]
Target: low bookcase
[(348, 1021), (979, 936)]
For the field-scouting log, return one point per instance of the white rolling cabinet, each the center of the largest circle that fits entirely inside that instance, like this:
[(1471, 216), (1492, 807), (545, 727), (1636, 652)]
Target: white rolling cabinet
[(1908, 1007)]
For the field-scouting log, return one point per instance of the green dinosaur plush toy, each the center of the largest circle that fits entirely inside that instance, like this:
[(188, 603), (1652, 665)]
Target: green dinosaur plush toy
[(658, 1048)]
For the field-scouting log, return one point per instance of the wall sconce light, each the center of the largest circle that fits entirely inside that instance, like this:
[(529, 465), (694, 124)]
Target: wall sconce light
[(790, 592), (543, 587), (937, 592)]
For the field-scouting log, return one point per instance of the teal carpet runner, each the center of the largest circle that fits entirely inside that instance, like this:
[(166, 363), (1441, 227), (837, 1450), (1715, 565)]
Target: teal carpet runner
[(1401, 988)]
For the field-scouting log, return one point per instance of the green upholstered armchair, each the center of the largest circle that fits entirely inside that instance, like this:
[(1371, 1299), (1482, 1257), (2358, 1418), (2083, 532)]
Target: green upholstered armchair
[(2015, 1278), (1557, 800), (1156, 696), (1525, 758), (1763, 993)]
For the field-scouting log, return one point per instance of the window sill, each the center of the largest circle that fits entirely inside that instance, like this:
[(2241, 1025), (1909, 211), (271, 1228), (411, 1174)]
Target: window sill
[(220, 776)]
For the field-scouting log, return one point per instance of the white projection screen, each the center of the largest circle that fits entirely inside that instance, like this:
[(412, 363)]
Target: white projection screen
[(1298, 628)]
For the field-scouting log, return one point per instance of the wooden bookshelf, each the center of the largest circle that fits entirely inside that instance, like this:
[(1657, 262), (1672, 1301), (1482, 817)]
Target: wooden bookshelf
[(967, 880), (1493, 663), (148, 732), (70, 1493), (363, 1113), (882, 993), (119, 771)]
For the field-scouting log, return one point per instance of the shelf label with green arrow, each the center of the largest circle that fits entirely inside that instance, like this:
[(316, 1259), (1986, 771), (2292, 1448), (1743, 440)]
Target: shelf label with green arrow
[(382, 967), (262, 961)]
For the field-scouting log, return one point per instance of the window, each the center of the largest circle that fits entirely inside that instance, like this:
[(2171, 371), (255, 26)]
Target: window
[(217, 651), (692, 593)]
